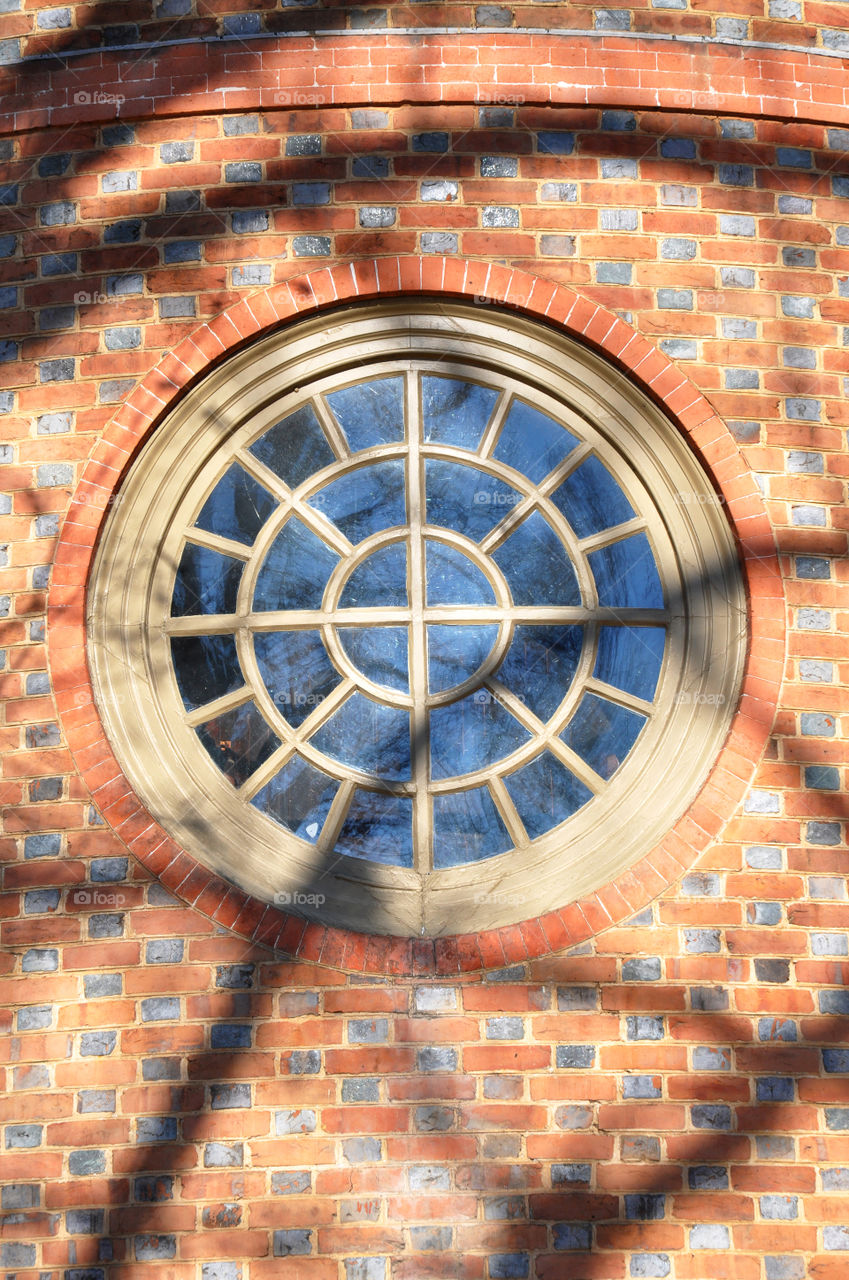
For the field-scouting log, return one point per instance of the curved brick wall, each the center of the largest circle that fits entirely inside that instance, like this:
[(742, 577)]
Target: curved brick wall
[(662, 1090)]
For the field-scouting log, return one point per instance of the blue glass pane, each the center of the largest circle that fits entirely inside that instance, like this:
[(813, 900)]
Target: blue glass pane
[(206, 668), (295, 571), (298, 797), (369, 736), (466, 499), (602, 733), (379, 580), (371, 413), (466, 828), (532, 442), (545, 794), (239, 741), (295, 447), (237, 508), (455, 653), (536, 566), (471, 734), (452, 578), (626, 575), (456, 412), (591, 500), (380, 653), (206, 582), (540, 666), (296, 670), (365, 501), (379, 828), (630, 658)]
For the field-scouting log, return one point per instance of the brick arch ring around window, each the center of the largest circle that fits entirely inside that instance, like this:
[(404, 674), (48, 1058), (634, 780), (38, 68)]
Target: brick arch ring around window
[(574, 317)]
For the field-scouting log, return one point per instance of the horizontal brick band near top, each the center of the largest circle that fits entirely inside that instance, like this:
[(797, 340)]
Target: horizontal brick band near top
[(386, 68), (648, 368)]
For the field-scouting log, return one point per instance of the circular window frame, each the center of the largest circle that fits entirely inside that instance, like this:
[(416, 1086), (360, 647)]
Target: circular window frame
[(253, 381)]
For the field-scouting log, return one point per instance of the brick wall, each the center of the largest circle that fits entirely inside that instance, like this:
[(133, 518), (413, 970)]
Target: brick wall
[(668, 1097)]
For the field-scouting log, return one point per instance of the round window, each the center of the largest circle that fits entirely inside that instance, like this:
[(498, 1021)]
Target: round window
[(417, 621)]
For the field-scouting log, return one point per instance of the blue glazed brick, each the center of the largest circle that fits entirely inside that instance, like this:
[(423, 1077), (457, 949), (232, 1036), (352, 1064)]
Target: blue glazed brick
[(226, 1097), (509, 1266), (40, 960), (575, 1056), (234, 976), (23, 1136), (775, 1089), (434, 141), (160, 1009), (572, 1235), (645, 1207), (711, 1116), (291, 1242), (555, 143), (227, 1036), (708, 1177), (97, 1044), (84, 1164)]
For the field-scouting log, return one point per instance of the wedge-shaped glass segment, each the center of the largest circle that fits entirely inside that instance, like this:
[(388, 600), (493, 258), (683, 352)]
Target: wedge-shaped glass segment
[(545, 794), (296, 670), (368, 736), (602, 733), (455, 653), (626, 575), (467, 827), (237, 508), (630, 658), (453, 578), (295, 571), (380, 653), (591, 500), (466, 499), (206, 667), (206, 582), (536, 566), (532, 442), (239, 741), (371, 413), (295, 447), (365, 501), (379, 828), (299, 798), (472, 734), (379, 580), (455, 412), (540, 666)]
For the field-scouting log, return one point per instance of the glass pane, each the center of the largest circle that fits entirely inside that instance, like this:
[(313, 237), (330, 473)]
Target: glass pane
[(456, 412), (545, 794), (379, 828), (455, 653), (602, 733), (626, 575), (237, 508), (239, 741), (206, 582), (371, 413), (532, 442), (471, 734), (379, 580), (206, 668), (380, 653), (295, 447), (466, 828), (540, 666), (296, 670), (452, 578), (630, 658), (365, 501), (591, 500), (466, 499), (298, 797), (369, 736), (295, 571), (536, 566)]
